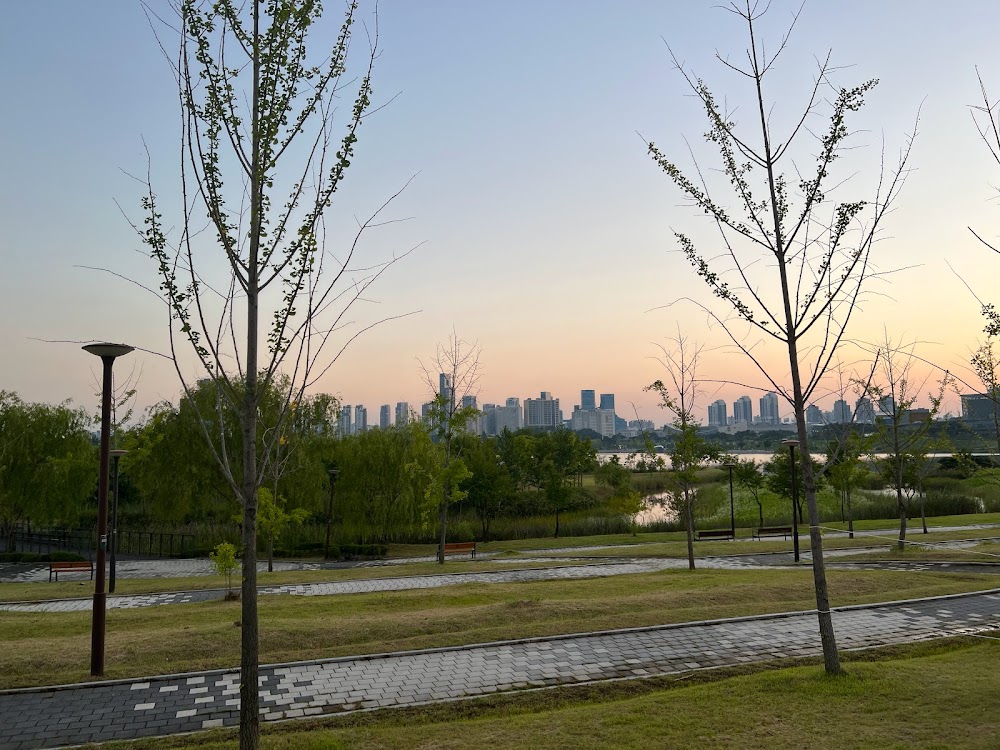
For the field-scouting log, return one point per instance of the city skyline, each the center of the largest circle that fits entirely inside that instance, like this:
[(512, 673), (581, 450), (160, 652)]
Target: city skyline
[(590, 227)]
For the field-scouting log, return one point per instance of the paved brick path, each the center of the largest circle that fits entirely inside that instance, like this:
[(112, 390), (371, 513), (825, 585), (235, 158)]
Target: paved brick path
[(156, 706), (361, 586)]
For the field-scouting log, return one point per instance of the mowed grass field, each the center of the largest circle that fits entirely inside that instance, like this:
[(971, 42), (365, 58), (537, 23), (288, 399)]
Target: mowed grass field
[(923, 697), (52, 648)]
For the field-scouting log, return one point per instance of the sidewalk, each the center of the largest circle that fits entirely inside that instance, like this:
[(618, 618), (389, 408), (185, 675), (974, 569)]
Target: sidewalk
[(156, 706)]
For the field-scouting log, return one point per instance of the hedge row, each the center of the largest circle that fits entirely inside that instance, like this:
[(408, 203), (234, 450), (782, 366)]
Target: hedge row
[(33, 557)]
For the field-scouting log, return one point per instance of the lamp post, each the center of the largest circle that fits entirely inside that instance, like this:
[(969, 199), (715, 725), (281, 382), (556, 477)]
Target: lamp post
[(792, 443), (329, 512), (108, 353), (115, 455), (732, 505)]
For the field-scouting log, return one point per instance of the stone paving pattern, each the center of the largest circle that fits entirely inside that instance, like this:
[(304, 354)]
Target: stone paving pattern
[(158, 706)]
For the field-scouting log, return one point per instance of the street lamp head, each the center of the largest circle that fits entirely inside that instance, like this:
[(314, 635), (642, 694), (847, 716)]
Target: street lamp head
[(791, 443), (118, 453), (333, 475), (729, 465), (108, 350)]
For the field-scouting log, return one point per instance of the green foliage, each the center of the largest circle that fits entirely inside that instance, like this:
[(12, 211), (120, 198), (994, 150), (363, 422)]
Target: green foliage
[(32, 557), (48, 464), (778, 476), (223, 559)]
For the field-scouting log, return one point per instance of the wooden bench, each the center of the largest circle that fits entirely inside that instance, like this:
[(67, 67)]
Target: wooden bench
[(70, 567), (763, 531), (460, 548), (715, 534)]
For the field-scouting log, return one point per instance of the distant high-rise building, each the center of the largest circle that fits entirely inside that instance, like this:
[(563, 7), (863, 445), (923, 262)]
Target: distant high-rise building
[(864, 412), (769, 409), (608, 401), (814, 415), (475, 424), (384, 417), (402, 413), (360, 419), (977, 407), (509, 416), (490, 419), (446, 388), (841, 411), (543, 412), (717, 414), (743, 410), (425, 410), (601, 421), (587, 400), (887, 407), (345, 420)]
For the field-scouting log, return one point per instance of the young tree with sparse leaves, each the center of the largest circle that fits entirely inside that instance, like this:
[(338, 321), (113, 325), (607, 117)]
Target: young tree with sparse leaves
[(789, 264), (268, 132)]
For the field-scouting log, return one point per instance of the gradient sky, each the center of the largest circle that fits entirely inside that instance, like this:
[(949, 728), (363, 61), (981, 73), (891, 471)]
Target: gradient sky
[(546, 229)]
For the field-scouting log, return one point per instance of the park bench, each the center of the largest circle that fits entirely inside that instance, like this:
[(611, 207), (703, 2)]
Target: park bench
[(460, 548), (715, 534), (763, 531), (70, 567)]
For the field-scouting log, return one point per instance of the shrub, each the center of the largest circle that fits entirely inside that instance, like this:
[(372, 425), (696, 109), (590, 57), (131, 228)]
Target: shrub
[(223, 559), (34, 557)]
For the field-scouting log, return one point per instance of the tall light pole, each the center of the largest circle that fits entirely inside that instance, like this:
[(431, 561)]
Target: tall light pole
[(108, 353), (792, 443), (732, 505), (329, 513), (115, 455)]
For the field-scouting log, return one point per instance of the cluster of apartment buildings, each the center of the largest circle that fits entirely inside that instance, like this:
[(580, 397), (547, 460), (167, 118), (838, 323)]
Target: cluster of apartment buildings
[(540, 413)]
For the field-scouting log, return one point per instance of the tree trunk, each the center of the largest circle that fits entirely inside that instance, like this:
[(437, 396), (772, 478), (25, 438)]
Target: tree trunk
[(902, 520), (760, 510), (689, 525), (556, 536), (270, 553), (923, 514), (850, 517)]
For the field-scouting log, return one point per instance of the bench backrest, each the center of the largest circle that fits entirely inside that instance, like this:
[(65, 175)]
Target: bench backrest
[(70, 565)]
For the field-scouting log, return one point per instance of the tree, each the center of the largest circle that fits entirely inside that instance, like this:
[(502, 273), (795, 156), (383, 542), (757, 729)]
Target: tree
[(489, 488), (625, 499), (262, 161), (274, 519), (561, 458), (985, 364), (816, 255), (906, 440), (453, 377), (846, 471), (46, 464), (778, 477), (223, 559), (748, 476), (690, 451)]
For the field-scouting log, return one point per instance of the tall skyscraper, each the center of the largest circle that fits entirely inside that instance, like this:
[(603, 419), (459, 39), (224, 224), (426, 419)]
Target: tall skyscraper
[(769, 409), (509, 417), (841, 411), (384, 417), (887, 407), (743, 410), (446, 388), (402, 413), (587, 400), (490, 419), (360, 419), (345, 420), (543, 412), (608, 401), (814, 415), (864, 412), (717, 414)]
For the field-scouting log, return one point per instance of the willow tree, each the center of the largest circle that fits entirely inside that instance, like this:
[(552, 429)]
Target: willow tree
[(789, 264), (252, 287)]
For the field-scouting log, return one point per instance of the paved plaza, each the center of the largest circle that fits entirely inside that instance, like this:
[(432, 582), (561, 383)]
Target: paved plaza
[(156, 706)]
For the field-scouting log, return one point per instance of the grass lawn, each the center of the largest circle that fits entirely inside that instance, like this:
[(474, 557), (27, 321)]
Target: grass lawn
[(887, 699), (49, 648)]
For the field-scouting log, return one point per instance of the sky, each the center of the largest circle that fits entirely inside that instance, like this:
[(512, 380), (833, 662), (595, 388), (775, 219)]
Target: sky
[(542, 229)]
